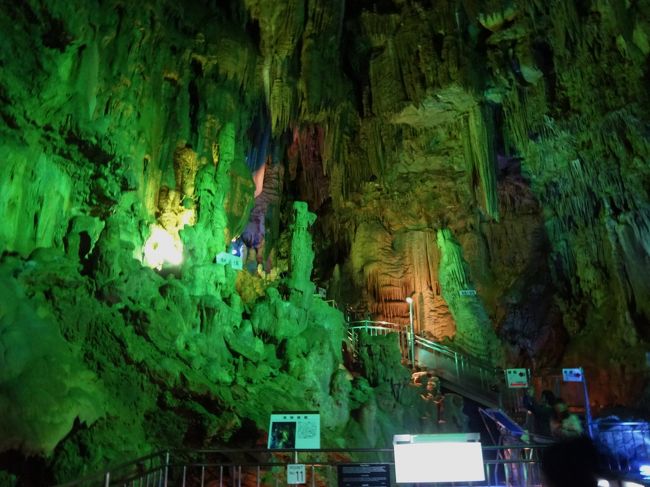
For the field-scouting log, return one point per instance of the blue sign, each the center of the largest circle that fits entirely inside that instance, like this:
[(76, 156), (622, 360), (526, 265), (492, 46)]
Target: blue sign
[(572, 375), (224, 258)]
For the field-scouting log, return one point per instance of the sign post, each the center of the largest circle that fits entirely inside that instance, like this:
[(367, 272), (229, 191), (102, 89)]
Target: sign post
[(409, 300), (295, 430), (578, 375)]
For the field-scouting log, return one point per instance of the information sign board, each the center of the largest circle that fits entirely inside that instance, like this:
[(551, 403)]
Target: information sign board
[(438, 458), (467, 292), (294, 430), (364, 474), (234, 261)]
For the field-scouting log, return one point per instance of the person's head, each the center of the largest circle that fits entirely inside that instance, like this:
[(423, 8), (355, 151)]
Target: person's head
[(433, 385), (548, 397), (561, 409)]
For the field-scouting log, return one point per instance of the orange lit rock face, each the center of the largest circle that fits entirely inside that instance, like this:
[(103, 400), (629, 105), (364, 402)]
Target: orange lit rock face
[(557, 268)]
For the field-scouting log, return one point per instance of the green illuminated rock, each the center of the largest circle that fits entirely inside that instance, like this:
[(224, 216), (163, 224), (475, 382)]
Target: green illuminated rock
[(423, 149)]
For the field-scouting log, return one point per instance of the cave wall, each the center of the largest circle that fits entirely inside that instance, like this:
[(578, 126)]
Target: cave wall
[(518, 129)]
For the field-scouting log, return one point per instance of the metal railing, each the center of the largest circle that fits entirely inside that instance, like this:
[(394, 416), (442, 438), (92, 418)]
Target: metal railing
[(150, 470), (476, 378), (514, 465), (470, 376), (377, 328), (626, 444)]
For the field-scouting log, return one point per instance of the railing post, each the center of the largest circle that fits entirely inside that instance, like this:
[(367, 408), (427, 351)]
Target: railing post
[(166, 469), (409, 300), (107, 479)]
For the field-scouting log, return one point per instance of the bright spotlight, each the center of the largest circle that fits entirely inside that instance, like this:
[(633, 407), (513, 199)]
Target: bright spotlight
[(409, 300), (162, 248)]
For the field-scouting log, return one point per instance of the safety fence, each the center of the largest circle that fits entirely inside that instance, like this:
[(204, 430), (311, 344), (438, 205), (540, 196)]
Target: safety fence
[(378, 328), (625, 445), (515, 466)]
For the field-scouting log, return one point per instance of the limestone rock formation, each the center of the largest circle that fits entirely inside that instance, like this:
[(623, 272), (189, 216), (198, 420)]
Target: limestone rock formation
[(487, 158)]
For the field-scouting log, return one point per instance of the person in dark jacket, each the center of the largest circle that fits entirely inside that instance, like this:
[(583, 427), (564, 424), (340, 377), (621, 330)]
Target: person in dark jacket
[(542, 411)]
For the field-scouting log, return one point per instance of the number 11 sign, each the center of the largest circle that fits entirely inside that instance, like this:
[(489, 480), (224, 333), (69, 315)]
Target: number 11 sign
[(296, 473)]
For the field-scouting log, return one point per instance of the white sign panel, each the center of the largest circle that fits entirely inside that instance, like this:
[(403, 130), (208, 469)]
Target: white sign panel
[(517, 378), (234, 261), (296, 473), (438, 461), (572, 375), (295, 430)]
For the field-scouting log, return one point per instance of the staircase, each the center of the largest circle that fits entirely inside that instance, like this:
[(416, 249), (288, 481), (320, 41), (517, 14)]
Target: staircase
[(461, 373)]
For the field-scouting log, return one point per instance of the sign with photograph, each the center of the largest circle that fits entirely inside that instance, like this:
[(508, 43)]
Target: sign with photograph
[(517, 378), (294, 430)]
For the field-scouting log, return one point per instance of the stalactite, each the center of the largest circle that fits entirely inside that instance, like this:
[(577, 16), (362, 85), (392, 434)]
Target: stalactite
[(281, 105), (335, 156), (315, 183), (378, 27), (281, 26), (385, 81), (517, 121), (481, 152)]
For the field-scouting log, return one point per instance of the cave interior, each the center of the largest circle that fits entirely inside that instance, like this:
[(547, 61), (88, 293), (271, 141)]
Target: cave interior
[(197, 196)]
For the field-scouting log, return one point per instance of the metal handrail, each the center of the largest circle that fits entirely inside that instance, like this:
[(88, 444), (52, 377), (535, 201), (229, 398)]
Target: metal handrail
[(420, 340), (119, 467), (364, 322), (514, 464), (178, 463), (450, 351), (476, 377), (379, 328)]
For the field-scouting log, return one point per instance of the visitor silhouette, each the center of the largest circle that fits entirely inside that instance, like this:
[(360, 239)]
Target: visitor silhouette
[(541, 411)]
